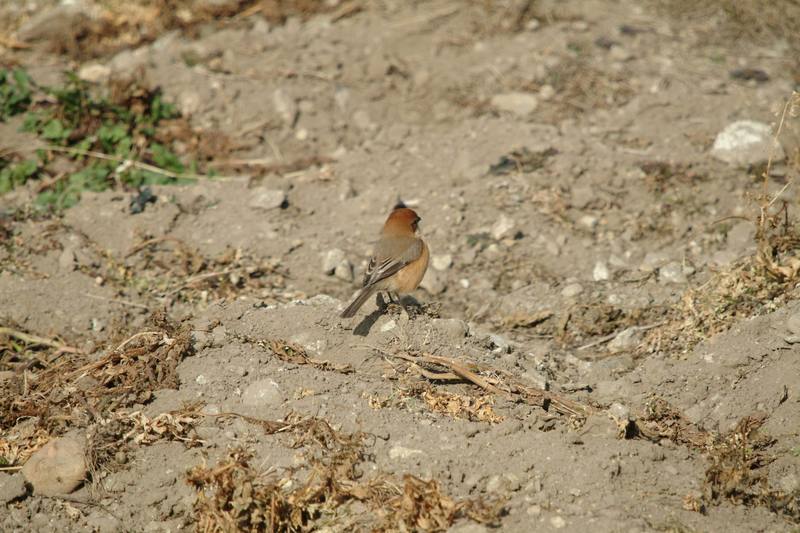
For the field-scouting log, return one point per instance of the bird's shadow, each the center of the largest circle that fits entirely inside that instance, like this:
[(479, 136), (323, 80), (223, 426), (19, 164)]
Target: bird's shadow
[(364, 327)]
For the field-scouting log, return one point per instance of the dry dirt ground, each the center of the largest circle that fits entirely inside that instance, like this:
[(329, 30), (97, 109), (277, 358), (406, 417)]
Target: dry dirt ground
[(605, 339)]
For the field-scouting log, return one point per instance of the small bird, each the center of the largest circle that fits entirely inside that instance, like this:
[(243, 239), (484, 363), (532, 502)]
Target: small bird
[(399, 261)]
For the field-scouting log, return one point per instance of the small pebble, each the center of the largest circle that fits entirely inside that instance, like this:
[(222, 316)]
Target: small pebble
[(572, 290), (601, 272)]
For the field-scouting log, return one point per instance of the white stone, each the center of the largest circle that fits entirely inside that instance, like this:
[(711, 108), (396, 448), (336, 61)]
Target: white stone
[(672, 273), (558, 522), (572, 290), (502, 228), (626, 339), (747, 142), (589, 221), (601, 272), (331, 259), (94, 73), (518, 103), (442, 262), (266, 199), (389, 326)]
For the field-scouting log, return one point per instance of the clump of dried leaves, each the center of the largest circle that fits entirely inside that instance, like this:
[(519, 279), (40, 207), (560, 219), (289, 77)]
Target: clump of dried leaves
[(475, 408), (736, 459), (53, 394), (234, 495)]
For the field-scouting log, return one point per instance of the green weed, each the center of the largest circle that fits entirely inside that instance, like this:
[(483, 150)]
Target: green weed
[(109, 140)]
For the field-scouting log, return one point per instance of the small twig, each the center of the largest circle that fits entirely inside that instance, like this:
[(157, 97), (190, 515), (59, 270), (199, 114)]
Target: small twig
[(200, 277), (134, 337), (7, 468), (137, 164), (36, 340), (141, 246)]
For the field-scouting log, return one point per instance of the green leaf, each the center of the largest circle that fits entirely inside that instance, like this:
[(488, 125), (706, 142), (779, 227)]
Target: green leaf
[(55, 131), (110, 135), (165, 159)]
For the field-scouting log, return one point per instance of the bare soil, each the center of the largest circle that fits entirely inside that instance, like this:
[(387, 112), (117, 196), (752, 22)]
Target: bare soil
[(204, 332)]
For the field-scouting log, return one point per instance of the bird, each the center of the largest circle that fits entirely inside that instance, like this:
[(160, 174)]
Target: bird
[(399, 261)]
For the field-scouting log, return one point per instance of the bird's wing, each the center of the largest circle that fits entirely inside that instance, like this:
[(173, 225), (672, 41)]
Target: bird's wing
[(384, 263)]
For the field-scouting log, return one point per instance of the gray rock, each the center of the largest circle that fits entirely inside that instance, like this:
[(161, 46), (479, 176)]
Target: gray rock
[(442, 262), (672, 273), (433, 282), (742, 237), (55, 22), (12, 487), (520, 104), (128, 61), (266, 199), (452, 328), (793, 323), (601, 272), (344, 270), (626, 339), (502, 228), (262, 393), (59, 467), (572, 290), (747, 142)]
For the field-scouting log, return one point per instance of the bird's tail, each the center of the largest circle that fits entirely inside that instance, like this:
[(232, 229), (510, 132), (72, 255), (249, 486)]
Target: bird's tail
[(362, 297)]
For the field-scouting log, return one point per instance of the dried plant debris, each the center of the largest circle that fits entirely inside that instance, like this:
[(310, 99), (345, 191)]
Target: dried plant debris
[(661, 420), (166, 267), (115, 24), (736, 471), (736, 459), (423, 507), (74, 391), (661, 176), (475, 408), (292, 352), (235, 496)]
